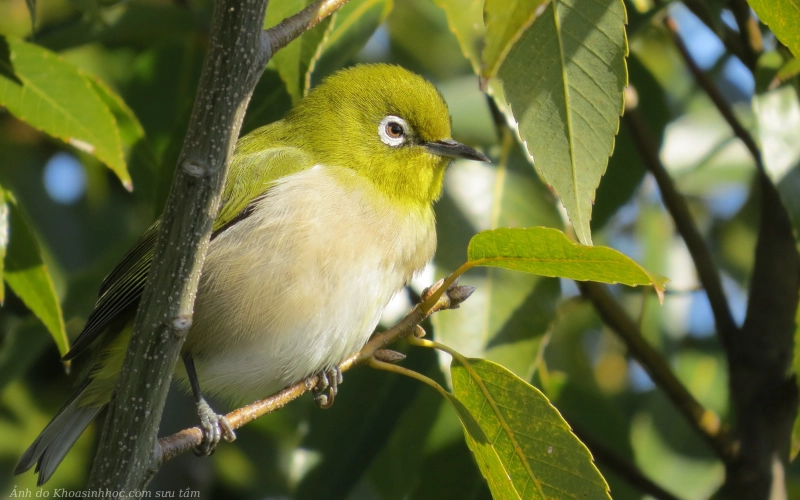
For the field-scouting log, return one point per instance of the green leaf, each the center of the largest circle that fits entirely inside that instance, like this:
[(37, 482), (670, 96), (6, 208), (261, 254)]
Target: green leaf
[(548, 252), (783, 18), (28, 277), (528, 450), (295, 62), (350, 29), (505, 22), (465, 18), (43, 90), (564, 82)]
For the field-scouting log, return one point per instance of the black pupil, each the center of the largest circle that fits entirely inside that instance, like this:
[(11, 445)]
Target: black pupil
[(395, 130)]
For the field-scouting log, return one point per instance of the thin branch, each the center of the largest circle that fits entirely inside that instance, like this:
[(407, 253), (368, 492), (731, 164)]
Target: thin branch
[(622, 467), (171, 446), (749, 32), (714, 94), (283, 33), (729, 37), (705, 421), (679, 209)]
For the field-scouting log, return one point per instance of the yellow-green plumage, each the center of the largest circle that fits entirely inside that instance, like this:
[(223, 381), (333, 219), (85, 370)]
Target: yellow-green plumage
[(325, 215)]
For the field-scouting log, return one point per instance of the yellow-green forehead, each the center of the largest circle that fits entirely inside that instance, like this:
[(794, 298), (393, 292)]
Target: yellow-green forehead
[(377, 90)]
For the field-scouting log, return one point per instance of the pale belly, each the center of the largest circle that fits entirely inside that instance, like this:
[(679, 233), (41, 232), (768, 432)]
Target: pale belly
[(299, 285)]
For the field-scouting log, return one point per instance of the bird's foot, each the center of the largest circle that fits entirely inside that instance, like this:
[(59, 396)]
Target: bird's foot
[(215, 427), (328, 387)]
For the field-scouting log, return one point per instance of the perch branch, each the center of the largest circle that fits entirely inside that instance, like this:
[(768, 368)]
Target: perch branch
[(435, 299)]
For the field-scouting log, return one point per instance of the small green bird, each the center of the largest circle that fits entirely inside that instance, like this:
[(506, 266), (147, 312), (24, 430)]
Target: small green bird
[(325, 215)]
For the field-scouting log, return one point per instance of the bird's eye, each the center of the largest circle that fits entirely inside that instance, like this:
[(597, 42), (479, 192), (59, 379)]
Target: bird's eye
[(393, 131)]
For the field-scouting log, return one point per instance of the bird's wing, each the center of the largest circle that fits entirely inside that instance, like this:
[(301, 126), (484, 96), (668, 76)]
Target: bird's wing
[(252, 172)]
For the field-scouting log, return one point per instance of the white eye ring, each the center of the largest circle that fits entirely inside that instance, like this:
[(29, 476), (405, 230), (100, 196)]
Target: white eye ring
[(389, 133)]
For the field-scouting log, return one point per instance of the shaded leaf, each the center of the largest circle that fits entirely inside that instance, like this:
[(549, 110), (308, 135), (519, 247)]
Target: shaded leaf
[(351, 28), (563, 81), (783, 18), (53, 96), (295, 62), (529, 450), (548, 252), (465, 19), (505, 22), (28, 278)]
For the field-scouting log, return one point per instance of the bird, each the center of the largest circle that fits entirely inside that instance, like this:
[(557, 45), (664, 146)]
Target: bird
[(324, 216)]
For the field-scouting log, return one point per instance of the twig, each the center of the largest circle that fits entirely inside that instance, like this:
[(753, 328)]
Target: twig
[(442, 297), (679, 209), (622, 467), (283, 33), (748, 32), (705, 421), (729, 37), (714, 94)]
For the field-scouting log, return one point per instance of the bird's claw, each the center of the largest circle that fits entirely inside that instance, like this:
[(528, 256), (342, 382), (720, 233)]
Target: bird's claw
[(215, 427), (327, 387)]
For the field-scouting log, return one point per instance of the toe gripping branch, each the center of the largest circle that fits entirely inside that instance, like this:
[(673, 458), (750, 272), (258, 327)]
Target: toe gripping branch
[(215, 426)]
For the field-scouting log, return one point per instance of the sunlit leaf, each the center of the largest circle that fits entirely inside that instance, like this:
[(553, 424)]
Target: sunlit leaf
[(783, 18), (505, 22), (564, 80), (548, 252), (351, 28), (528, 450), (465, 19), (40, 88), (295, 62), (29, 279)]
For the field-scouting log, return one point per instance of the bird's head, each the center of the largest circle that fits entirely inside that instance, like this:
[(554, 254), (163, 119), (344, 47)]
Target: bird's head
[(387, 124)]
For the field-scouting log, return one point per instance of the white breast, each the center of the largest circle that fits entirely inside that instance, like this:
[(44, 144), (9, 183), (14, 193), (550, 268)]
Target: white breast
[(301, 283)]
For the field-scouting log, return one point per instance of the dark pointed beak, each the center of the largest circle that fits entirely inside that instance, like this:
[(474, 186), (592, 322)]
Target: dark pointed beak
[(453, 149)]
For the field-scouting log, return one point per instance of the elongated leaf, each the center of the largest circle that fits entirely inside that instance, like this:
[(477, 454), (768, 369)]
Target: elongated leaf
[(352, 27), (506, 20), (548, 252), (529, 450), (28, 277), (783, 18), (295, 62), (40, 88), (563, 80), (465, 18)]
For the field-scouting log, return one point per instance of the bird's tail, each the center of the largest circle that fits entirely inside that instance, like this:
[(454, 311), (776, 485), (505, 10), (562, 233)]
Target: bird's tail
[(57, 438)]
